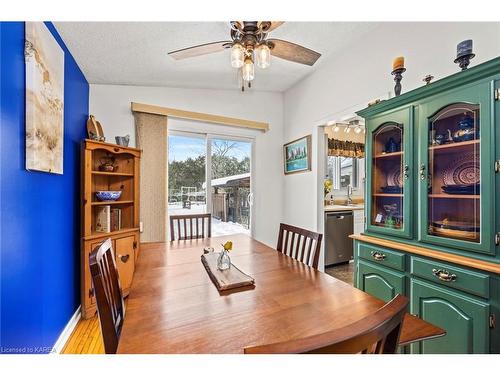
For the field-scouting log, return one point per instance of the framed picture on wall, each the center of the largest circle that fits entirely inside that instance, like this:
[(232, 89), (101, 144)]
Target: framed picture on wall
[(44, 60), (297, 155)]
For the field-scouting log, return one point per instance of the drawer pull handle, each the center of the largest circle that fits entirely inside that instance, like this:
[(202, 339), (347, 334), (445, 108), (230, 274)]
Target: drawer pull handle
[(378, 256), (124, 258), (444, 275)]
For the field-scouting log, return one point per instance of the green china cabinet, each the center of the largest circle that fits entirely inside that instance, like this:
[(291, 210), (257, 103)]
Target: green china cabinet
[(432, 214)]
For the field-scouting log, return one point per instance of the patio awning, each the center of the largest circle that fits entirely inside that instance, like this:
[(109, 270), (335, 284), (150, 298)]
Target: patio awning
[(236, 180)]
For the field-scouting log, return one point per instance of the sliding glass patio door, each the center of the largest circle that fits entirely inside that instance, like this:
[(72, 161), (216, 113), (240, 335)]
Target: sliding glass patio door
[(211, 173)]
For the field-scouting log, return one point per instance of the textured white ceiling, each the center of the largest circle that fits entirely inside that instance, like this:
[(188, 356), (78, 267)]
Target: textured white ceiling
[(135, 53)]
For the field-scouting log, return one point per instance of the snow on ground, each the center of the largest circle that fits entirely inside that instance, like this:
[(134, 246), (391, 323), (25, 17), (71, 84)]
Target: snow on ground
[(219, 228)]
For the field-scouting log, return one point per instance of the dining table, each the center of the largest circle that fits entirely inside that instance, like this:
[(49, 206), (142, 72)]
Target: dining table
[(174, 307)]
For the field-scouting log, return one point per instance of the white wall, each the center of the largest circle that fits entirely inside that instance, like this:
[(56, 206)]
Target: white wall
[(111, 106), (361, 73)]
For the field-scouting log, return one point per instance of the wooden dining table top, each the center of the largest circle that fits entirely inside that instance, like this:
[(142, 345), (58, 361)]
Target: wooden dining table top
[(173, 306)]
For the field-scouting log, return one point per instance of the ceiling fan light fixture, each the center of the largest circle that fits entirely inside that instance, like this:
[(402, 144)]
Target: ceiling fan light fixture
[(336, 129), (347, 129), (237, 55), (263, 55), (248, 69), (357, 129)]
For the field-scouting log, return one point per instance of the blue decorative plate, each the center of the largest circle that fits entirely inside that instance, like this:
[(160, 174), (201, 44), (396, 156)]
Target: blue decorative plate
[(462, 171)]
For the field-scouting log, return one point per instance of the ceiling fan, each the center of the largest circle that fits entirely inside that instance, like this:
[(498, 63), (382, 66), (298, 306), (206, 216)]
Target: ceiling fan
[(249, 46)]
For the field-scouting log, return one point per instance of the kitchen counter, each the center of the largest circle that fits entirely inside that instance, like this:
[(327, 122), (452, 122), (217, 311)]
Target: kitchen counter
[(343, 207)]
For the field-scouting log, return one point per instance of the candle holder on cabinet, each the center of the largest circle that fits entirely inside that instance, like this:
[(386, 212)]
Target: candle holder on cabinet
[(398, 76)]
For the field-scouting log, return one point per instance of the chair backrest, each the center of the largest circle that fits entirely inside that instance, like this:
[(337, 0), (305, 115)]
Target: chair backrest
[(376, 334), (300, 244), (190, 227), (108, 294)]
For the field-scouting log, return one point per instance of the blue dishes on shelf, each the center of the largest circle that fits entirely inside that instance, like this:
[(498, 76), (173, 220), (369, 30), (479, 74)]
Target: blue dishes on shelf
[(461, 189), (466, 130), (392, 189), (456, 225), (108, 195)]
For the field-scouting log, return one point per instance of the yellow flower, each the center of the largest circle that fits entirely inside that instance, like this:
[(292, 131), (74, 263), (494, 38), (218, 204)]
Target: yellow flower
[(228, 246)]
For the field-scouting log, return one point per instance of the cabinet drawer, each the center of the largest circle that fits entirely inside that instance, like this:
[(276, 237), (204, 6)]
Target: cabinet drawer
[(379, 282), (379, 255), (452, 276)]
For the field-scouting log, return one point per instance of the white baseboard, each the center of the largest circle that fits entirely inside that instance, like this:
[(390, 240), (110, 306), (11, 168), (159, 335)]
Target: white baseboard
[(67, 331)]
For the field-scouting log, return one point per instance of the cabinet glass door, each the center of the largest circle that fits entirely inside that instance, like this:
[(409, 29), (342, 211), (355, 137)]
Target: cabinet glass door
[(389, 195), (454, 201), (451, 180)]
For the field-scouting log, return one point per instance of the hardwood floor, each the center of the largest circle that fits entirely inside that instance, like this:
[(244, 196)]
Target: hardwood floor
[(85, 339)]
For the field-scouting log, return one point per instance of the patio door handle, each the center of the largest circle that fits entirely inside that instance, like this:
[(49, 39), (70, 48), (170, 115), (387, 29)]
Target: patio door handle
[(250, 199)]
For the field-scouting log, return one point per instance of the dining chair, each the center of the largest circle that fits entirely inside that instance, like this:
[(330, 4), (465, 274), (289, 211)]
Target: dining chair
[(378, 333), (300, 244), (195, 228), (108, 294)]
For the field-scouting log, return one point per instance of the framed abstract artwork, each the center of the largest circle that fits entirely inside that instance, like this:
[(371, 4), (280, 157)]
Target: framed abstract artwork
[(44, 60), (297, 155)]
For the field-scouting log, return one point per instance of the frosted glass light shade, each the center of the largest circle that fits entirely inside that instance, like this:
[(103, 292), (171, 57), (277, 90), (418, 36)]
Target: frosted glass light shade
[(263, 56), (237, 55)]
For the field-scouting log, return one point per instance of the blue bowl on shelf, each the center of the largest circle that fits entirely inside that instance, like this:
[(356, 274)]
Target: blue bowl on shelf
[(108, 195)]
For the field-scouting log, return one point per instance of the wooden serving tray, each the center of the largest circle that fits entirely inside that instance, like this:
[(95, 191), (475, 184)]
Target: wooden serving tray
[(227, 279)]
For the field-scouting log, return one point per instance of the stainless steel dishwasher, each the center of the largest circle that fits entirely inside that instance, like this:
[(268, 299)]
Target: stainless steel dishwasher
[(338, 245)]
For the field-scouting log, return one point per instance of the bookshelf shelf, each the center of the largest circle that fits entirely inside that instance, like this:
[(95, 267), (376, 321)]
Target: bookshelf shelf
[(111, 203), (95, 235), (118, 174)]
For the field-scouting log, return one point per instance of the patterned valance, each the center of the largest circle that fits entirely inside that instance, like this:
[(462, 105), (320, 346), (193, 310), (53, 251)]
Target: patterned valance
[(345, 148)]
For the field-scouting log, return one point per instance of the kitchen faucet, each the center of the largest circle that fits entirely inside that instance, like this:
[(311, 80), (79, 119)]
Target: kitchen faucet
[(349, 193)]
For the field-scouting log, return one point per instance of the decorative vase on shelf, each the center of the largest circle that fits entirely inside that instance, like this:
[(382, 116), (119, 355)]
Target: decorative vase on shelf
[(224, 261), (391, 146)]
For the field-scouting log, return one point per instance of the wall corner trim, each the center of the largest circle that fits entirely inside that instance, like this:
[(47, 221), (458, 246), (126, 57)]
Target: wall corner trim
[(67, 331), (198, 116)]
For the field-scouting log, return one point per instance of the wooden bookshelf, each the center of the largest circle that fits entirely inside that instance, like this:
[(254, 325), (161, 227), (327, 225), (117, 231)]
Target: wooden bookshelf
[(124, 178)]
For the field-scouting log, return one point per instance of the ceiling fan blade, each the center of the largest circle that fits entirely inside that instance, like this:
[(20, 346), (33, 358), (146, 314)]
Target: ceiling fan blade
[(202, 49), (293, 52), (273, 25)]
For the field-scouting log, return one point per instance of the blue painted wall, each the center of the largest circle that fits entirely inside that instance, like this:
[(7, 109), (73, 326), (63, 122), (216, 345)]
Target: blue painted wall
[(39, 212)]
